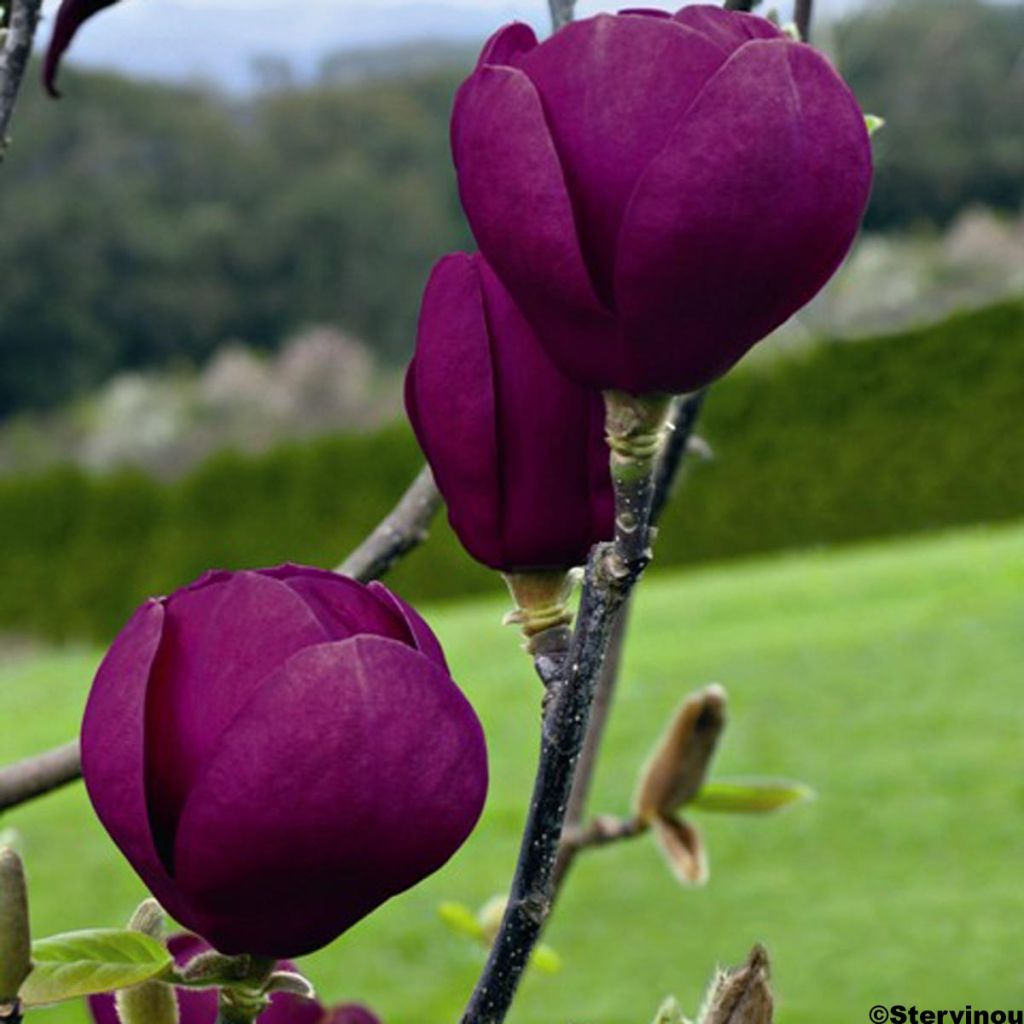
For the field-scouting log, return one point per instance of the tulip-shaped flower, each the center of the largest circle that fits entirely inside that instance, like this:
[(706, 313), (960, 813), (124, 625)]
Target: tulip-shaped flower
[(279, 752), (659, 192), (517, 448), (199, 1006)]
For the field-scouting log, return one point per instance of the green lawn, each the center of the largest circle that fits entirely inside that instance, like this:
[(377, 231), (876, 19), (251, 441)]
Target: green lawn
[(888, 677)]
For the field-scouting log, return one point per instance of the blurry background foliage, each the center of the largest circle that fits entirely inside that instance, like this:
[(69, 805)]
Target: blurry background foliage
[(833, 443), (144, 225), (206, 302)]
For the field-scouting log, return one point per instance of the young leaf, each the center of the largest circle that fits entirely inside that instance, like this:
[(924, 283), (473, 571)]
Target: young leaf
[(546, 960), (84, 963), (873, 123), (460, 919), (751, 796)]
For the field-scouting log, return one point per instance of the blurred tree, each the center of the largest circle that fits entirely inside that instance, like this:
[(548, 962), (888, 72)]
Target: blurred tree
[(143, 224), (948, 76)]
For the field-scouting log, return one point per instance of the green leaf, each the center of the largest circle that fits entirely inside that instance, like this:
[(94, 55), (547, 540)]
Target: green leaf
[(83, 963), (461, 920), (873, 123), (751, 796), (546, 960)]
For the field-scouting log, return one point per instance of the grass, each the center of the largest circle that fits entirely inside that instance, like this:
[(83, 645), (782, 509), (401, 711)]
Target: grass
[(888, 677)]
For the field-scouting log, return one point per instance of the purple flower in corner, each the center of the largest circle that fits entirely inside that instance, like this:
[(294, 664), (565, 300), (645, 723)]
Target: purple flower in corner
[(278, 752), (517, 448), (658, 192), (70, 16)]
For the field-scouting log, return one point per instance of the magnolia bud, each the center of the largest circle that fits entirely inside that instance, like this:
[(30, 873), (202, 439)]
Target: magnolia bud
[(15, 938), (741, 996), (675, 771), (674, 775), (149, 1003)]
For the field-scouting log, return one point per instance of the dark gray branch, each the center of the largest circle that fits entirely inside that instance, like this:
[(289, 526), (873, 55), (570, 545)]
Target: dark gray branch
[(740, 5), (567, 713), (15, 50), (602, 831), (561, 12), (35, 776), (572, 688), (803, 12), (682, 422), (402, 530)]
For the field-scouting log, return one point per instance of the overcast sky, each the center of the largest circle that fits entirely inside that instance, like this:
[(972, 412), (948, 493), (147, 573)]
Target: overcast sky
[(217, 40)]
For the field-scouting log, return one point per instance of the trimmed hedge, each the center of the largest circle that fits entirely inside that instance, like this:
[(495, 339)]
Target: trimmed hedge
[(846, 441)]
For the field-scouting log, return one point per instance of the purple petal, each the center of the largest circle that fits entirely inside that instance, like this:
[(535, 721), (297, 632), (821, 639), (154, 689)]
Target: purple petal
[(613, 88), (556, 494), (355, 771), (344, 607), (422, 636), (219, 643), (729, 29), (70, 16), (508, 44), (113, 751), (452, 371), (486, 402), (647, 12), (717, 252), (514, 192)]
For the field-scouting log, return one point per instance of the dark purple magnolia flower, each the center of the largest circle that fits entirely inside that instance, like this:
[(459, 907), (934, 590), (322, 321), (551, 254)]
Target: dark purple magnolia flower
[(279, 752), (516, 448), (199, 1006), (70, 16), (658, 192)]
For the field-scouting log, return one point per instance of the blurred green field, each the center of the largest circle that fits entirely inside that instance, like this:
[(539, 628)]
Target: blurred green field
[(888, 677)]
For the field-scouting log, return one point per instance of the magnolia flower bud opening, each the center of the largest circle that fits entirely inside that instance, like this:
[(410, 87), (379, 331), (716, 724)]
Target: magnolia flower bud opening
[(741, 996)]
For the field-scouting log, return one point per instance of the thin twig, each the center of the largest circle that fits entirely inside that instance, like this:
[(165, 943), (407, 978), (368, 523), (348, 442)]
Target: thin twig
[(802, 14), (25, 780), (402, 530), (602, 831), (15, 50), (562, 12), (740, 5), (682, 423)]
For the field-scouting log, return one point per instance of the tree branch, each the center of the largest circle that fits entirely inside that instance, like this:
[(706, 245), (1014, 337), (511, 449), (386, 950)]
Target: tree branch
[(561, 13), (740, 5), (602, 831), (565, 721), (633, 426), (15, 50), (25, 780), (802, 14), (681, 423), (402, 530)]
